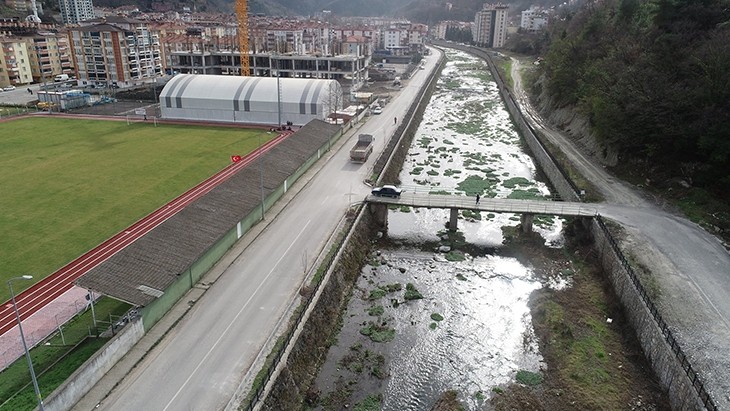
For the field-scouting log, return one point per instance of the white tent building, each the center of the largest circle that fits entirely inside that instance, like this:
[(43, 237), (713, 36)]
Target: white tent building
[(254, 100)]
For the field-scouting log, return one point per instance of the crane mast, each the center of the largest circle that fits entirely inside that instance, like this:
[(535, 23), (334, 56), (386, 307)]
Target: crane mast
[(242, 15)]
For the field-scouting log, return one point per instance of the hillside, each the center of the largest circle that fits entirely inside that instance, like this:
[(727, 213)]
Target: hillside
[(421, 11), (653, 80)]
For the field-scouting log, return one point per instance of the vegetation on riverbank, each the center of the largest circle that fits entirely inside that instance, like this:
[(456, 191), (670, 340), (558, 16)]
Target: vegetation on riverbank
[(593, 358), (651, 77)]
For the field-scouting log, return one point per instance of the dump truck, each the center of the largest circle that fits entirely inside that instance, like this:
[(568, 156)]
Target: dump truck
[(362, 149)]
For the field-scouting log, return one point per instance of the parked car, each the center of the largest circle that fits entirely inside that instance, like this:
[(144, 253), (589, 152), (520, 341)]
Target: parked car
[(8, 88), (377, 110), (387, 191)]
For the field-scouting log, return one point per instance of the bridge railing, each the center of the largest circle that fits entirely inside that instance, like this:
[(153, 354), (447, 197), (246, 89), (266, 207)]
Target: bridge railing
[(502, 205), (453, 190)]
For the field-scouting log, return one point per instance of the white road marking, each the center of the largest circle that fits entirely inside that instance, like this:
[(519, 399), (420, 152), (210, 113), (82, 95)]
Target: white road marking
[(236, 317)]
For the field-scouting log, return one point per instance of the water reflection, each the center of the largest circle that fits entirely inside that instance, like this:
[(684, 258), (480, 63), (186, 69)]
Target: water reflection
[(467, 144), (472, 330), (485, 336)]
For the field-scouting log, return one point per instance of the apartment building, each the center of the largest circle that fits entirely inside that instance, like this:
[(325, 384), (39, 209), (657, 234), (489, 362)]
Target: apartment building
[(52, 56), (118, 52), (490, 26), (32, 52), (533, 19), (76, 11), (15, 68), (395, 39)]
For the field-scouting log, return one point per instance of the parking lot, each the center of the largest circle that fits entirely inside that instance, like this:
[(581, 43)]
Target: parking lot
[(20, 96)]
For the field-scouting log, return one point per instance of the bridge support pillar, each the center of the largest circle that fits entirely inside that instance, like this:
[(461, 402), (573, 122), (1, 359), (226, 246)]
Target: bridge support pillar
[(380, 214), (526, 221), (454, 217)]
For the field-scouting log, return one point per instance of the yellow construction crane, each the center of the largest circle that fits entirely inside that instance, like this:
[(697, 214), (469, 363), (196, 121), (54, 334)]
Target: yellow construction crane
[(242, 15)]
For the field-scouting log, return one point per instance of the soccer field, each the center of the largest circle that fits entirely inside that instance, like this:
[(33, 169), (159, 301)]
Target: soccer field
[(67, 185)]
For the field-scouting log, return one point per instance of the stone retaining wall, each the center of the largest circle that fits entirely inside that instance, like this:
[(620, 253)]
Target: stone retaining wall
[(682, 394), (686, 391)]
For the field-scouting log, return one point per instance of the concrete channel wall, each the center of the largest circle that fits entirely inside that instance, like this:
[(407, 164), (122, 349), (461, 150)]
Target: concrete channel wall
[(686, 390), (308, 348), (390, 162), (291, 381), (683, 392), (556, 175)]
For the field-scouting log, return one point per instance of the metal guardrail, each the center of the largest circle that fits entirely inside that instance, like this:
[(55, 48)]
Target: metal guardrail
[(502, 205), (693, 376)]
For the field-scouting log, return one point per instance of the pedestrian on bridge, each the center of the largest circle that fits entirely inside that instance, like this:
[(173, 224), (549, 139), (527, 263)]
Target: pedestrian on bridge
[(477, 198)]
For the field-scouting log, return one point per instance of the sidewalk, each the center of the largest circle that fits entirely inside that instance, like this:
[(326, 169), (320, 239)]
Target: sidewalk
[(41, 324)]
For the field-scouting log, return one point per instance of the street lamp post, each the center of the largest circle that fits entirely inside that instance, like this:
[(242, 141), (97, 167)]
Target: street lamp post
[(261, 175), (22, 338)]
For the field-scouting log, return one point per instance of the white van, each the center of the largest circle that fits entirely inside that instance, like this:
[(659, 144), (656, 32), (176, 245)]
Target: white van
[(61, 77)]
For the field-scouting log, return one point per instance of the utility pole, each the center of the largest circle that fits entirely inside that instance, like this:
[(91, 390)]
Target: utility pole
[(22, 338), (278, 87), (261, 176)]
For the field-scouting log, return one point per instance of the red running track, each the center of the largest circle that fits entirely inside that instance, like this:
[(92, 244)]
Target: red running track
[(51, 287)]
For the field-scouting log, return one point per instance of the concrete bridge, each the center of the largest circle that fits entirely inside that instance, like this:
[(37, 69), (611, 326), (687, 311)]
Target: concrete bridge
[(526, 208)]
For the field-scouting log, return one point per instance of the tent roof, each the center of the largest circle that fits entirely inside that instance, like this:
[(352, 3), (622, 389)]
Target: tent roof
[(239, 88)]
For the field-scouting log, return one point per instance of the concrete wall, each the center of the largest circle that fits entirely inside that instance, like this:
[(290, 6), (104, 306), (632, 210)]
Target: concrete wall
[(79, 383), (309, 348), (672, 374), (558, 179), (390, 162)]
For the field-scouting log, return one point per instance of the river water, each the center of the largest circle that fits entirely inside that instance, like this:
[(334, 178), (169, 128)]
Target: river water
[(471, 330)]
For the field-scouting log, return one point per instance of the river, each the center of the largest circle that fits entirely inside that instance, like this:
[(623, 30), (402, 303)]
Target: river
[(471, 329)]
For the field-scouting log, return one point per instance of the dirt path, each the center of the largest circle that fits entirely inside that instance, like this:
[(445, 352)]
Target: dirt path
[(690, 267), (613, 190)]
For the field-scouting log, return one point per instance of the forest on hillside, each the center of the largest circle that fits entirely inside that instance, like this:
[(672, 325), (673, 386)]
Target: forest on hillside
[(653, 77)]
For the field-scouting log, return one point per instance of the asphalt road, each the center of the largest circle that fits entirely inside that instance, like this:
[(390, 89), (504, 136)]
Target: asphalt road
[(201, 362), (19, 96), (690, 266)]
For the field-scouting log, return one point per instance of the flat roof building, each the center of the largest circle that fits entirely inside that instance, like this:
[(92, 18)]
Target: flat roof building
[(490, 26)]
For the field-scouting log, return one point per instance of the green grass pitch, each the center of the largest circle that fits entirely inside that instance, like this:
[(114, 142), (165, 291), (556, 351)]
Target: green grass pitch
[(67, 185)]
